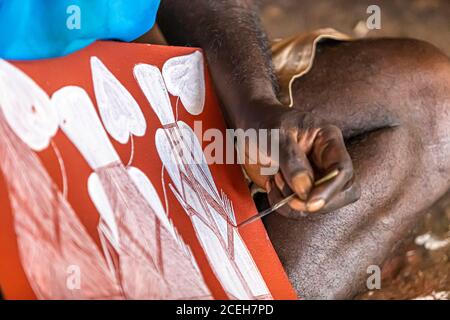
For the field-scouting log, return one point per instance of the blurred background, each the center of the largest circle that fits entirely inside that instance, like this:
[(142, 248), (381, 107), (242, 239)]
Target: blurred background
[(422, 19), (423, 271)]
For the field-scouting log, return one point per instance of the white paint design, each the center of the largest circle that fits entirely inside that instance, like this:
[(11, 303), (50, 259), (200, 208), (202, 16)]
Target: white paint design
[(149, 193), (211, 214), (185, 78), (107, 223), (145, 256), (196, 158), (49, 235), (26, 107), (145, 252), (152, 84), (190, 155), (169, 159), (119, 111), (79, 121)]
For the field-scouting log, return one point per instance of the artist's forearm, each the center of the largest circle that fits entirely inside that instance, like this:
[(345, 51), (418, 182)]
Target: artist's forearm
[(229, 32)]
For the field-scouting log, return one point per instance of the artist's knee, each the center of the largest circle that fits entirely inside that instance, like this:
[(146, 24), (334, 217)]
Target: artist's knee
[(417, 75), (422, 66), (427, 81), (404, 54), (395, 61), (424, 83)]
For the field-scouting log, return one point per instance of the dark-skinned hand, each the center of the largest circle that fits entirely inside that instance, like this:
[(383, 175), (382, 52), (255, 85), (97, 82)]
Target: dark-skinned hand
[(309, 148)]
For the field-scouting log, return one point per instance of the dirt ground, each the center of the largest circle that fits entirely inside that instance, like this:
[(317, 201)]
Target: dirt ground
[(423, 271), (422, 19)]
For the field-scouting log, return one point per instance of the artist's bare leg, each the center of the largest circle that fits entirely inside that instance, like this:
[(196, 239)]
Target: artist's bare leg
[(395, 96)]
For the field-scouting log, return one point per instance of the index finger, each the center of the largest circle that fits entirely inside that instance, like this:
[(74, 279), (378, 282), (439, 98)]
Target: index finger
[(295, 167)]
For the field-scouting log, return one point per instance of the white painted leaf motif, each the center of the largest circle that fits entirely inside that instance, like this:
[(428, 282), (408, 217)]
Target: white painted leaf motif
[(79, 121), (119, 111), (185, 78), (26, 107), (152, 85)]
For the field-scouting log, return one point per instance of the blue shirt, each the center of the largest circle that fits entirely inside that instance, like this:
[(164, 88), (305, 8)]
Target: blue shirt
[(36, 29)]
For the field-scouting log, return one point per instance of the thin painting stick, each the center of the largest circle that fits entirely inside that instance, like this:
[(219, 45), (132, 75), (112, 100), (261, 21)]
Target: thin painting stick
[(286, 200)]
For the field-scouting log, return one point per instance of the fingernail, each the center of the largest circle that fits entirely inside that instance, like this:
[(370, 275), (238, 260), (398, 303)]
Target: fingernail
[(302, 183), (315, 205)]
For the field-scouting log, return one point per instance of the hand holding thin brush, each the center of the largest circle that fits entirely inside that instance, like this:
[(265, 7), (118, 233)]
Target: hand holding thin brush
[(310, 149)]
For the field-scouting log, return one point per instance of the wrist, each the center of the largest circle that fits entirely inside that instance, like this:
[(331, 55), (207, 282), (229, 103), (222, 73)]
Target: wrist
[(262, 114)]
